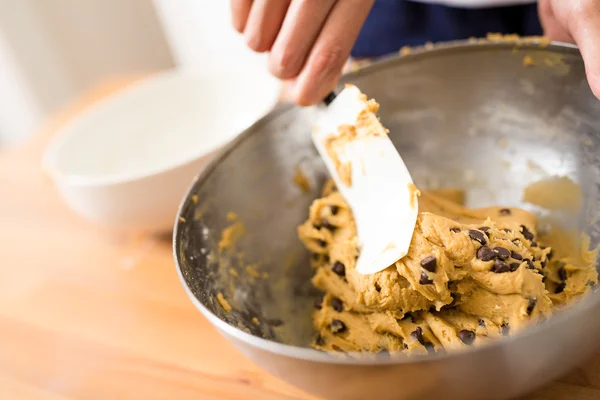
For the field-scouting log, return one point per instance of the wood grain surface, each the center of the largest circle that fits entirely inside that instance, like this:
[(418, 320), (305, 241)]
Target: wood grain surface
[(86, 313)]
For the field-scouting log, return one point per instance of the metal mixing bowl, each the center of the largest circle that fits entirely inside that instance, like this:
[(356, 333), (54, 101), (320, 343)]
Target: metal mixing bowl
[(467, 115)]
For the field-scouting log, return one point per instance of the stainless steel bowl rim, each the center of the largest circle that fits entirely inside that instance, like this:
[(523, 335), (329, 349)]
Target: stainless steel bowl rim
[(309, 354)]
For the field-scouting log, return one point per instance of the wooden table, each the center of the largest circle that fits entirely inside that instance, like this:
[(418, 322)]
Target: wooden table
[(87, 313)]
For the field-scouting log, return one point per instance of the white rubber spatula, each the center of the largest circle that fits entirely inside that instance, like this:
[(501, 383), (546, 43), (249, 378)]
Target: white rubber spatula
[(370, 174)]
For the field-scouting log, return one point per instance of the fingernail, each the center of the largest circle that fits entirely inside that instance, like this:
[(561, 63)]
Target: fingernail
[(253, 41)]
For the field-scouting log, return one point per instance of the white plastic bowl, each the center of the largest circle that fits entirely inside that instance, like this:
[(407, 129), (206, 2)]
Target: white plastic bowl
[(127, 161)]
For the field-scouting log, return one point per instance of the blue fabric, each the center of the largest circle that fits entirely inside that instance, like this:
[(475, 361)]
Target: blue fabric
[(396, 23)]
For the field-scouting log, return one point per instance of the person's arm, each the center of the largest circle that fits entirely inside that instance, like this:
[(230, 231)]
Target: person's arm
[(576, 21)]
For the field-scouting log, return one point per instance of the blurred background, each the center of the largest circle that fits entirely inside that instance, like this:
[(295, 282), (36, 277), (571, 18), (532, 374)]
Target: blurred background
[(52, 51)]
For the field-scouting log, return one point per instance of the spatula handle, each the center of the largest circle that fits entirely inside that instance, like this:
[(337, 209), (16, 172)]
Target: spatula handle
[(329, 98)]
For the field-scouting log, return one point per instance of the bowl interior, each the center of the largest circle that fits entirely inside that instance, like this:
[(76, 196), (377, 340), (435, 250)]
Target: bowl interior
[(468, 116)]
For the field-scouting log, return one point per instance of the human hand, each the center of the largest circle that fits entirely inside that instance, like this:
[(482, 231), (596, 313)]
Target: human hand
[(309, 40), (576, 21)]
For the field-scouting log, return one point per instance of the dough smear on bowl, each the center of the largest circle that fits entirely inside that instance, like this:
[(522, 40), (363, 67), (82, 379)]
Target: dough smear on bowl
[(471, 275)]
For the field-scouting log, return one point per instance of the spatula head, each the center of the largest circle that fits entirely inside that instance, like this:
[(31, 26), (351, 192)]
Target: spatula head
[(370, 175)]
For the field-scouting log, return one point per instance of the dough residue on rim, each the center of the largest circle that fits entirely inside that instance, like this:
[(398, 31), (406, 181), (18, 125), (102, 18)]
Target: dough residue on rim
[(223, 303)]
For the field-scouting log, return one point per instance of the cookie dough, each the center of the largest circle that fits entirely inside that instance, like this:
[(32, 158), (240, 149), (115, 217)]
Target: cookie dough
[(471, 275)]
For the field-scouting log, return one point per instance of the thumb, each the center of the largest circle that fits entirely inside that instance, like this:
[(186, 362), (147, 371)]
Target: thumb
[(583, 24), (553, 28)]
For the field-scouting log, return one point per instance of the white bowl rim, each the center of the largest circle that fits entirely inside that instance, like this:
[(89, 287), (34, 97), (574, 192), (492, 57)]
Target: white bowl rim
[(105, 105)]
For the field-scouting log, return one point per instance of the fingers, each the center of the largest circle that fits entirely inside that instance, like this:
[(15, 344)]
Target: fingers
[(264, 22), (309, 40), (553, 28), (330, 51), (240, 9), (584, 26), (300, 29)]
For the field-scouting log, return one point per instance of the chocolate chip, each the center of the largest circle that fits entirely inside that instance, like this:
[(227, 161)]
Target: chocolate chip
[(502, 252), (453, 302), (478, 236), (550, 255), (562, 273), (334, 209), (507, 230), (516, 255), (315, 256), (319, 340), (543, 263), (467, 337), (516, 240), (337, 304), (528, 235), (534, 244), (529, 263), (405, 346), (500, 267), (430, 347), (560, 288), (455, 230), (429, 263), (504, 211), (317, 227), (322, 243), (484, 228), (505, 329), (484, 253), (318, 304), (514, 267), (418, 335), (337, 326), (328, 225), (377, 287), (339, 268), (481, 323), (425, 279), (531, 305)]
